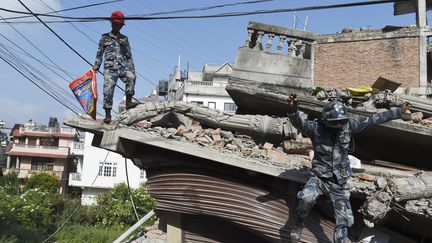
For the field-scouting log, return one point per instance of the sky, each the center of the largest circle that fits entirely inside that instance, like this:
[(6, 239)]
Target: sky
[(156, 44)]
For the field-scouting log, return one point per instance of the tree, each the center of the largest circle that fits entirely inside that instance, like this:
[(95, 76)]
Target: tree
[(44, 181)]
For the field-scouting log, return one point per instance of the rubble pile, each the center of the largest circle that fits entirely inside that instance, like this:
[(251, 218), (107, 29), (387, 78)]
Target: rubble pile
[(383, 188), (238, 144), (375, 102)]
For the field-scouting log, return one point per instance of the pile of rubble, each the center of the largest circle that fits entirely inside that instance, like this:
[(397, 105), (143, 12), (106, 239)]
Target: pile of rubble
[(383, 188), (239, 145), (379, 101)]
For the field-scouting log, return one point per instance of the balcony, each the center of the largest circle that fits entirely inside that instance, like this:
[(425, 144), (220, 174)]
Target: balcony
[(39, 151), (76, 148), (43, 131), (23, 173), (75, 179), (204, 88)]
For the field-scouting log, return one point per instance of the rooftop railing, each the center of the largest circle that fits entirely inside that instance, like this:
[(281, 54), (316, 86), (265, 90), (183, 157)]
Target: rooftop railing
[(288, 41)]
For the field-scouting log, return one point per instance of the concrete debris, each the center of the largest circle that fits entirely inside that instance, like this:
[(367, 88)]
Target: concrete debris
[(379, 101), (152, 234), (376, 207), (422, 206)]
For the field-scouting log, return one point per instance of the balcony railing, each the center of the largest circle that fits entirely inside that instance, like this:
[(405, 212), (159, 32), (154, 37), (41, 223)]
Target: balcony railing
[(51, 130), (54, 151), (76, 148), (297, 43), (75, 176)]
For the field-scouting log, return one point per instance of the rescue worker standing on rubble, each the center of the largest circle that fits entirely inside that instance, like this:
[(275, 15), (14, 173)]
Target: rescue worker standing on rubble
[(331, 170), (118, 64)]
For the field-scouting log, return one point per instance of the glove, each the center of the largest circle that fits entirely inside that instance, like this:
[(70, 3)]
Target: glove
[(292, 104)]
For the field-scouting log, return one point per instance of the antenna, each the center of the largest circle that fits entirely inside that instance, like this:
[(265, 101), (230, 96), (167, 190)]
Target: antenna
[(305, 25)]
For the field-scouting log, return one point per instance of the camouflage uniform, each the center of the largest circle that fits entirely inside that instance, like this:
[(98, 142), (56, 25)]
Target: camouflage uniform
[(118, 64), (331, 166)]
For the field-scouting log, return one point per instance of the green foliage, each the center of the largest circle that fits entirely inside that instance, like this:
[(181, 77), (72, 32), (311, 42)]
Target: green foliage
[(116, 208), (88, 233), (44, 181), (10, 233), (30, 210), (9, 183), (32, 215)]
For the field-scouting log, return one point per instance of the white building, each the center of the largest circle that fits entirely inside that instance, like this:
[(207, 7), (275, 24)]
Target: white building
[(101, 174), (205, 87)]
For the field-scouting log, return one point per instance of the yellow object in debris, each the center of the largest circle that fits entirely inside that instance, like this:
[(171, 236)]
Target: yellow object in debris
[(359, 91)]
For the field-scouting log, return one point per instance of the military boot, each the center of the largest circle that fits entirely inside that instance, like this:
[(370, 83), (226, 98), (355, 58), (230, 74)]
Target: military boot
[(107, 118), (296, 231), (129, 103)]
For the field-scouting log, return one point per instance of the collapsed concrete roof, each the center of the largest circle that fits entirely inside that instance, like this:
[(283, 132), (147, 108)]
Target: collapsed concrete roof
[(196, 168)]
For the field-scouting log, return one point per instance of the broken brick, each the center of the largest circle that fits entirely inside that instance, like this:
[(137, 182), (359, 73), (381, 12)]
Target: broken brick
[(306, 164), (267, 146), (231, 147), (181, 130), (416, 117), (246, 151), (216, 137), (367, 177), (219, 144), (277, 155), (190, 136)]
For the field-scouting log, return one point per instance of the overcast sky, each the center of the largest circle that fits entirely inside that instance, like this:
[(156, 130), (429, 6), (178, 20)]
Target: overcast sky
[(156, 44)]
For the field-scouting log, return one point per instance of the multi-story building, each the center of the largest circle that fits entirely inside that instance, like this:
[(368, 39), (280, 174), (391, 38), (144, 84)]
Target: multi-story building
[(100, 170), (36, 148), (205, 87)]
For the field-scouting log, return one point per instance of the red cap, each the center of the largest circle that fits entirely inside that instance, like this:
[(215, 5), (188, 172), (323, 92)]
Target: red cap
[(117, 17)]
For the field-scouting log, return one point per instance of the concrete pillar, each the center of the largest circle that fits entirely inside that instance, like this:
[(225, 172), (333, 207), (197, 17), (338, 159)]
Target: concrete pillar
[(174, 230), (17, 165), (421, 13), (8, 162), (423, 43)]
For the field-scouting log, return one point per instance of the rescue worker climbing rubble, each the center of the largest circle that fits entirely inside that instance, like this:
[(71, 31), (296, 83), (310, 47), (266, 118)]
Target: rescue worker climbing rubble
[(118, 64), (331, 170)]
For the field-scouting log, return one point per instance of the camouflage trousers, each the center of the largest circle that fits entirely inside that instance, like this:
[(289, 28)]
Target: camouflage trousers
[(339, 196), (110, 80)]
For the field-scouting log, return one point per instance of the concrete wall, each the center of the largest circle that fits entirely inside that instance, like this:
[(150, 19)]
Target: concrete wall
[(361, 62), (270, 70)]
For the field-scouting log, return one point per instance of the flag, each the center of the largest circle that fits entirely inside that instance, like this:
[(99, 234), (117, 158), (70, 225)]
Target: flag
[(85, 90)]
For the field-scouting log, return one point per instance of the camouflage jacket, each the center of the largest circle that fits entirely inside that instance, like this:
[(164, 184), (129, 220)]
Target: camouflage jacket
[(331, 146), (117, 52)]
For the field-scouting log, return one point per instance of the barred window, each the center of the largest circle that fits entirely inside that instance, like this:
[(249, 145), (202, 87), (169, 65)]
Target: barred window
[(108, 169)]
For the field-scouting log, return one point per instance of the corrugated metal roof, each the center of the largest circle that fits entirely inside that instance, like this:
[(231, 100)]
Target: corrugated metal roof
[(250, 206)]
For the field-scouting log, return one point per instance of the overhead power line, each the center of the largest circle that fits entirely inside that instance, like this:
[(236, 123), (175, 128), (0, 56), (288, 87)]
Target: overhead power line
[(67, 44), (69, 9), (220, 15)]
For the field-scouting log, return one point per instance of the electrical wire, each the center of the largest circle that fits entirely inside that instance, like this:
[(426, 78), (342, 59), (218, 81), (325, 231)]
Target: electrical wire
[(88, 37), (22, 67), (40, 51), (79, 205), (69, 9), (130, 193), (19, 71), (220, 15), (67, 44)]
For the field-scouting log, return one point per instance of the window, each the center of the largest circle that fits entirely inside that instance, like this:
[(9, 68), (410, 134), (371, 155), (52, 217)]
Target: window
[(230, 107), (212, 105), (108, 169), (197, 102), (42, 164), (142, 174)]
